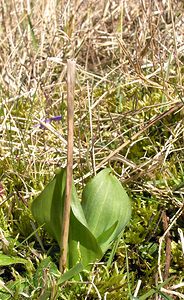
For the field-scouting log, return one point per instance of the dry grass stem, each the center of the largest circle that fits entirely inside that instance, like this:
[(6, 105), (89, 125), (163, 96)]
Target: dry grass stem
[(71, 68)]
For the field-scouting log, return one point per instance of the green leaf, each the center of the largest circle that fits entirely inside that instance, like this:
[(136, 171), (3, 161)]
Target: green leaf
[(34, 39), (104, 203), (103, 239), (166, 297), (71, 273), (83, 245), (47, 209), (104, 212), (6, 260)]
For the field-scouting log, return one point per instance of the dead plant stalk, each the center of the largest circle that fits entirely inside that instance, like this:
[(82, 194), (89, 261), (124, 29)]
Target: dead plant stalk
[(71, 67)]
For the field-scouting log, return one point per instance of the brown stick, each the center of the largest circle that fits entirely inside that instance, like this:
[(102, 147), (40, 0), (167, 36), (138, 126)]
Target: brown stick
[(71, 67)]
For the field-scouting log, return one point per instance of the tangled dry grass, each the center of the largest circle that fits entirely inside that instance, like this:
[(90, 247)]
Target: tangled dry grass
[(123, 51), (128, 98)]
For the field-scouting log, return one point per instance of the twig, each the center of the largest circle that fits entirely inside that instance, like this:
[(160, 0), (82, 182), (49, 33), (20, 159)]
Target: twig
[(180, 295), (181, 238), (176, 216), (71, 67), (137, 288)]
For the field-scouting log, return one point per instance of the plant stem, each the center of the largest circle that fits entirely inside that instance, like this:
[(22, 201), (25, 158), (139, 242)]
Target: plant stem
[(71, 67)]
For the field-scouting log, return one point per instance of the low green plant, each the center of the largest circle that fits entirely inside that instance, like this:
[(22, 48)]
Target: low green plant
[(95, 222)]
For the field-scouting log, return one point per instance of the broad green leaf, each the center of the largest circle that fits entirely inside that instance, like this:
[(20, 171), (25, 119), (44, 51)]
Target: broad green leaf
[(103, 239), (47, 209), (6, 260), (83, 245), (105, 202)]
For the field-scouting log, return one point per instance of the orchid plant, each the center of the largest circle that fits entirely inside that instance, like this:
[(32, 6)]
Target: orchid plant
[(95, 221)]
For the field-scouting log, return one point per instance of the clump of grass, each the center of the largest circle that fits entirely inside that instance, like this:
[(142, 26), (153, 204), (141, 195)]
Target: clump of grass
[(129, 74)]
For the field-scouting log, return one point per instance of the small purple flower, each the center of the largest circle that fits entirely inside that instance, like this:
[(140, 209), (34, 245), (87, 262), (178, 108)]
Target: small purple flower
[(56, 118), (48, 121)]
